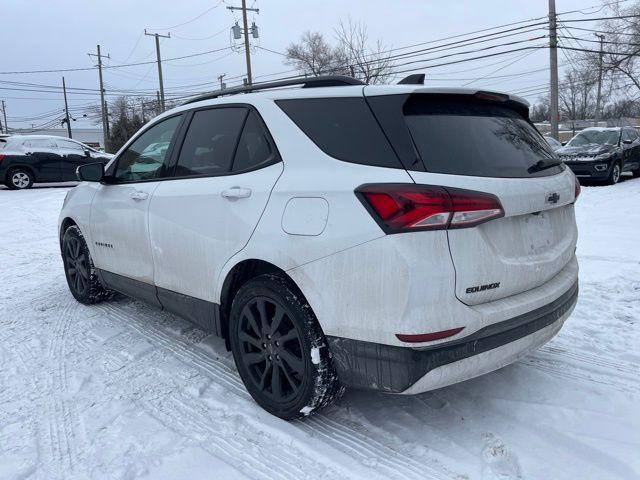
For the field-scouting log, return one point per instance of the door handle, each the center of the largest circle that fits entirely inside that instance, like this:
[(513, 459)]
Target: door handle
[(236, 192), (138, 195)]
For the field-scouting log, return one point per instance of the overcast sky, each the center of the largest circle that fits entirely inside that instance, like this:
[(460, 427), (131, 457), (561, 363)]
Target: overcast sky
[(47, 35)]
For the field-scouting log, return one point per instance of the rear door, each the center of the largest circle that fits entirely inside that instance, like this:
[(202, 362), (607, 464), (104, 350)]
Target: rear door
[(72, 155), (43, 156), (489, 146), (224, 175)]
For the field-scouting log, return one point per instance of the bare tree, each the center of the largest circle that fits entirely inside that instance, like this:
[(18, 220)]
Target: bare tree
[(577, 94), (369, 63), (313, 55), (352, 55), (622, 59), (539, 112)]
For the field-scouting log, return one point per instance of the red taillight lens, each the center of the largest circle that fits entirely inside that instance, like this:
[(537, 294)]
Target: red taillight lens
[(1, 157), (399, 207), (577, 190)]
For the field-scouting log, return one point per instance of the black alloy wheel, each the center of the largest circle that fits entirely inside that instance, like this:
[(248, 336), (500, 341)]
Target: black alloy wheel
[(271, 349), (77, 265), (280, 350), (81, 277)]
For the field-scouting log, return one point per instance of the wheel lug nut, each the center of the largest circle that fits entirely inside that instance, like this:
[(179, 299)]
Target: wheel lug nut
[(269, 357), (268, 337), (264, 345), (277, 343), (278, 357)]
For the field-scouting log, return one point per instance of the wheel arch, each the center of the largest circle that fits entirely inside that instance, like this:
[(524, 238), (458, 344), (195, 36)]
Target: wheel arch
[(235, 278), (21, 166), (66, 223)]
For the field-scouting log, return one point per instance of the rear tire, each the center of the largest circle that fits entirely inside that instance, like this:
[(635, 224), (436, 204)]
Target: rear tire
[(19, 179), (614, 174), (280, 350), (82, 278)]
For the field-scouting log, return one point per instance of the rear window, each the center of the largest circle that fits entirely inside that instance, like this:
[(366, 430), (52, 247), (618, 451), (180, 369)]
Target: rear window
[(464, 136), (343, 128)]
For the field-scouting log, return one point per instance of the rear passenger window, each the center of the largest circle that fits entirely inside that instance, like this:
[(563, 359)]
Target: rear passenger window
[(343, 128), (210, 142), (254, 150)]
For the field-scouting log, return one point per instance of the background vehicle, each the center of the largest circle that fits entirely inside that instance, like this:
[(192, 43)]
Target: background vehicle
[(603, 153), (25, 159), (387, 255), (553, 143)]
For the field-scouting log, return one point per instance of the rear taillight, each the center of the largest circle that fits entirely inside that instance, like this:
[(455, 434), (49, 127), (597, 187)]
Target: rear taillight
[(1, 157), (401, 207), (577, 189)]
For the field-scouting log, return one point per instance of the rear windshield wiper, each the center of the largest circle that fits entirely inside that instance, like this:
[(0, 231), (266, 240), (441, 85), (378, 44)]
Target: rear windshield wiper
[(542, 165)]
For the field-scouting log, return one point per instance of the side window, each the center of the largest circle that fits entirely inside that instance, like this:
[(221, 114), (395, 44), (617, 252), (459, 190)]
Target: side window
[(210, 142), (343, 128), (67, 145), (254, 149), (146, 158), (39, 143)]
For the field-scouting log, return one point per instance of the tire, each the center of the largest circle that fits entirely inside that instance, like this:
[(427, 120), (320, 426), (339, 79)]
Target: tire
[(82, 278), (19, 179), (291, 378), (614, 174)]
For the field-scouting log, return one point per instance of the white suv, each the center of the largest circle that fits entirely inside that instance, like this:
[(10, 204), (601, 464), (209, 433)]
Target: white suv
[(393, 238)]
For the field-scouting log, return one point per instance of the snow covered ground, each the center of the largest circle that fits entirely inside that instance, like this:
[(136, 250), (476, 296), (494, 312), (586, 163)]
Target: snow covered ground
[(122, 391)]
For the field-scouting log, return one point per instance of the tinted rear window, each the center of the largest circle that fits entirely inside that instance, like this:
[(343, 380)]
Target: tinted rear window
[(343, 128), (464, 136)]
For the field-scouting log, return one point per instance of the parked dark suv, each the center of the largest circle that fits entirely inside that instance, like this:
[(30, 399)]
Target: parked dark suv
[(39, 158), (603, 153)]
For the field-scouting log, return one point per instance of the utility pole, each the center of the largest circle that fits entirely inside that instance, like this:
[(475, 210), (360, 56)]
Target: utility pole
[(599, 97), (245, 25), (105, 124), (158, 112), (4, 114), (157, 36), (66, 108), (553, 65), (220, 77)]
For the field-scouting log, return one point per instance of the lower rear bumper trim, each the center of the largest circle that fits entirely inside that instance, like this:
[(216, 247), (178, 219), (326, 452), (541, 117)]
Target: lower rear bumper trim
[(393, 369)]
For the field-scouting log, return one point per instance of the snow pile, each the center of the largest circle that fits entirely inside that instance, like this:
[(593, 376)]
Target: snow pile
[(120, 390)]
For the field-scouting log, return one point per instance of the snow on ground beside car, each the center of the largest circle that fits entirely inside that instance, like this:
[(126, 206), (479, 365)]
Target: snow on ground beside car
[(120, 390)]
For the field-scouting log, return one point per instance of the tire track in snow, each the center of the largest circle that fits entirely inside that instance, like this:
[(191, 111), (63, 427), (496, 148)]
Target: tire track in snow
[(361, 446), (198, 419)]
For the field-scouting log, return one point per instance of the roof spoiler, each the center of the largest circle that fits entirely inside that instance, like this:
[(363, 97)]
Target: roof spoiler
[(415, 79)]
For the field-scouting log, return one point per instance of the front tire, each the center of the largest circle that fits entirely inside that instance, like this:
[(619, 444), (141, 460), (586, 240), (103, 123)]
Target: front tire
[(82, 278), (280, 350), (614, 174), (19, 179)]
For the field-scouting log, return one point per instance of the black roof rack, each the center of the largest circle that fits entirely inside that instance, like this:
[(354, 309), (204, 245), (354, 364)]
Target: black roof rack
[(306, 82)]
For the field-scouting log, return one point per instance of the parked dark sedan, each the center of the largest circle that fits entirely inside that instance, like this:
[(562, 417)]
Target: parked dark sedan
[(603, 153), (25, 159)]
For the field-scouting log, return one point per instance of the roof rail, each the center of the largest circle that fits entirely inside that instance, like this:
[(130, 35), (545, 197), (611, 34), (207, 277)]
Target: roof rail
[(306, 82)]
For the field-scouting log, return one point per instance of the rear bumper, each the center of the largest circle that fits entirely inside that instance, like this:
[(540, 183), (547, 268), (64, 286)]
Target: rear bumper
[(407, 370)]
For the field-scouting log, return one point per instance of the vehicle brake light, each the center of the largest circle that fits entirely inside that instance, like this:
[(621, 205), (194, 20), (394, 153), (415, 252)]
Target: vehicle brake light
[(402, 207), (577, 189), (1, 157)]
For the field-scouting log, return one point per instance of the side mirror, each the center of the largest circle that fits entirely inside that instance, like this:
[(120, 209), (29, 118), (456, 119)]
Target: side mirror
[(91, 172), (564, 144), (87, 153), (627, 142)]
